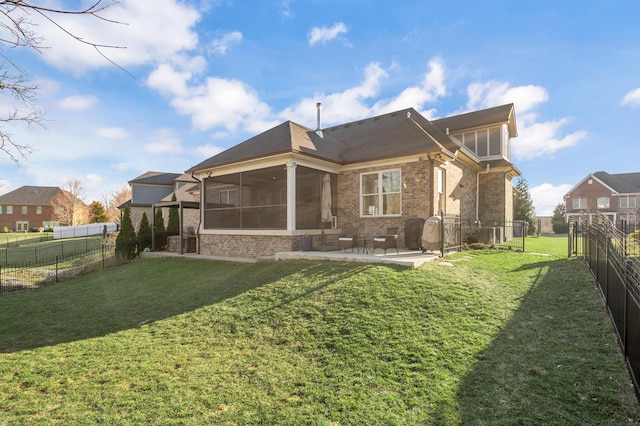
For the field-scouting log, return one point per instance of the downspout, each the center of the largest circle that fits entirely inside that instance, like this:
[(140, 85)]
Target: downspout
[(478, 194), (201, 212)]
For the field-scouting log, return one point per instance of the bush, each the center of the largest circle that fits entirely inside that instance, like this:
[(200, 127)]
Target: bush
[(144, 233), (126, 240), (560, 227), (635, 234)]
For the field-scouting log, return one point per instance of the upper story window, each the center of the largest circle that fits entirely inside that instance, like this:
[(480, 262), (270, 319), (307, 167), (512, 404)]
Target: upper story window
[(9, 210), (485, 142), (579, 203), (380, 193), (603, 202), (627, 202), (38, 209), (24, 209)]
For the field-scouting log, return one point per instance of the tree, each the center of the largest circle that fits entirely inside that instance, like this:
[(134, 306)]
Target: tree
[(144, 233), (17, 29), (67, 204), (114, 200), (161, 232), (523, 208), (97, 213), (126, 239), (558, 221), (173, 227)]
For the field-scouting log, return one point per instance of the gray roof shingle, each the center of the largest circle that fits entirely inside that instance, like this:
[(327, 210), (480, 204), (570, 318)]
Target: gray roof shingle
[(395, 134), (623, 183), (30, 195)]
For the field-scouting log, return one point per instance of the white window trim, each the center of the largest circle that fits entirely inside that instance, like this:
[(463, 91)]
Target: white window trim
[(608, 203), (580, 201), (380, 193), (628, 198)]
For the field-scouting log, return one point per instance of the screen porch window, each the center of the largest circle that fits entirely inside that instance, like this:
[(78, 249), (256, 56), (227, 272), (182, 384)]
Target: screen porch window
[(257, 199), (381, 193), (579, 203), (627, 202)]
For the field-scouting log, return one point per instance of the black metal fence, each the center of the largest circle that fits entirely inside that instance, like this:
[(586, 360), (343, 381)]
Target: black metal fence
[(37, 273), (458, 234), (613, 257)]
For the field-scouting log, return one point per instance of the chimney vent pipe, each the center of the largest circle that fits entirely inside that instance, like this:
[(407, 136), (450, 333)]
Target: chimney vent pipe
[(319, 128)]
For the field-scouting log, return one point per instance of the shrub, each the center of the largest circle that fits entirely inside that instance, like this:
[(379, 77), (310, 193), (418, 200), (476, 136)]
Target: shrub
[(144, 233), (560, 227), (126, 240)]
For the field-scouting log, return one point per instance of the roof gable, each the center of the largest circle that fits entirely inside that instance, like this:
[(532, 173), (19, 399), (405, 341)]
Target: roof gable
[(392, 135), (622, 183), (155, 178), (500, 114), (30, 195)]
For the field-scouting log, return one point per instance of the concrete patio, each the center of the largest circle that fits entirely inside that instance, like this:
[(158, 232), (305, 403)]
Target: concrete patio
[(404, 257)]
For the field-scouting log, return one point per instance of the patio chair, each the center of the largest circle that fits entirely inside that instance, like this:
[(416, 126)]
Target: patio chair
[(348, 239), (386, 241)]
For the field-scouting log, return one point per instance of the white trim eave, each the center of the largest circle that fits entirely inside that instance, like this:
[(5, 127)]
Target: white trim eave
[(271, 161)]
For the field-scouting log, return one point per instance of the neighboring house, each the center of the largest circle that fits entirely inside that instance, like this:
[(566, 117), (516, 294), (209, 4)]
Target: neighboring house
[(260, 196), (29, 208), (154, 187), (614, 195)]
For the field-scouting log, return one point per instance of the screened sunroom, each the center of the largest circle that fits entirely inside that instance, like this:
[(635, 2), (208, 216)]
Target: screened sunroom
[(283, 197)]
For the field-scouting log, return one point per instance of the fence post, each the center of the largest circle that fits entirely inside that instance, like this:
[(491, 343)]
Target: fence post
[(524, 232), (56, 268), (102, 256)]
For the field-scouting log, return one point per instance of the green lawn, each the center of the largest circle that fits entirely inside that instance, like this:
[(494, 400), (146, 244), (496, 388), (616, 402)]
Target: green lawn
[(478, 338), (21, 249)]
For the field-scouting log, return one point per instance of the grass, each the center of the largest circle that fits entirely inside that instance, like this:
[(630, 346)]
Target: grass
[(23, 249), (482, 337)]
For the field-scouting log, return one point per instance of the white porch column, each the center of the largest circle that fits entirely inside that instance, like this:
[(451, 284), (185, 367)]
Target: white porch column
[(291, 195)]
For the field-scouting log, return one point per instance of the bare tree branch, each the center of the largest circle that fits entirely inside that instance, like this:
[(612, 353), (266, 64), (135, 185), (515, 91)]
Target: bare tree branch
[(16, 30)]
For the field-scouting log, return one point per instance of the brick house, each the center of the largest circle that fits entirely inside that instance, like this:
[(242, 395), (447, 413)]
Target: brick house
[(614, 195), (29, 208), (260, 196)]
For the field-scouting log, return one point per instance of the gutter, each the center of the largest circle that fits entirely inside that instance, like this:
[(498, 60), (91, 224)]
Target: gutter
[(478, 193)]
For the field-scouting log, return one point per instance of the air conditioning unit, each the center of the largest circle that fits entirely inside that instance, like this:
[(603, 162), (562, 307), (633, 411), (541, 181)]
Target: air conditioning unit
[(334, 222)]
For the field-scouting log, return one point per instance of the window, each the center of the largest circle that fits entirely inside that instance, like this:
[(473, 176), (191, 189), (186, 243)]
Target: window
[(229, 197), (603, 202), (628, 202), (380, 193), (441, 197), (24, 209), (9, 209), (579, 203), (485, 142), (38, 209)]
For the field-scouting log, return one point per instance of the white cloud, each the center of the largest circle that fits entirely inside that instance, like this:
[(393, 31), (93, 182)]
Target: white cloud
[(77, 102), (219, 46), (151, 32), (326, 34), (535, 139), (285, 9), (494, 93), (430, 89), (208, 150), (112, 133), (5, 186), (547, 196), (163, 141), (632, 98)]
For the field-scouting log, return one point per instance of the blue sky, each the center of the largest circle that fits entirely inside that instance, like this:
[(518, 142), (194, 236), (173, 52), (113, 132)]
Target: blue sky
[(209, 74)]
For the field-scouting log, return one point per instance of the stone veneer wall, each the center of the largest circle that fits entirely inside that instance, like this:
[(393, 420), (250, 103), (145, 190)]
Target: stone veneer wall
[(248, 246)]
